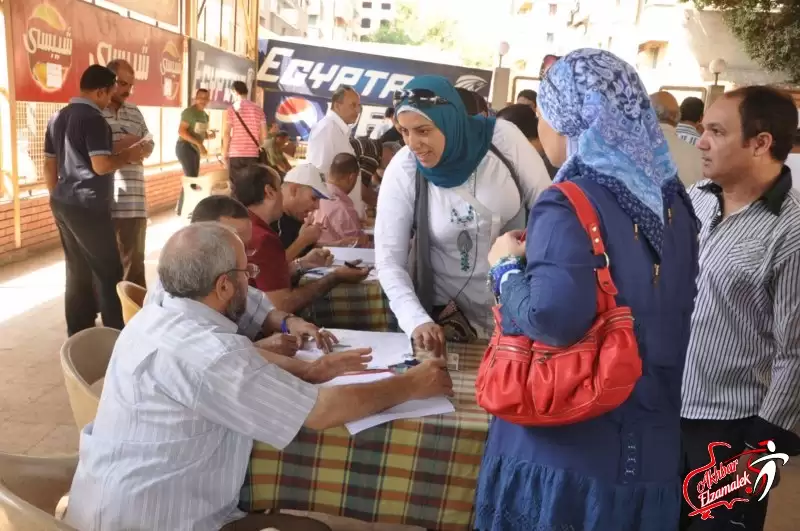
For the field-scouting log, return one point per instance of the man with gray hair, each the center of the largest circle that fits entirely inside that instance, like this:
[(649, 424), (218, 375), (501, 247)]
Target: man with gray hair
[(128, 208), (185, 396), (686, 157)]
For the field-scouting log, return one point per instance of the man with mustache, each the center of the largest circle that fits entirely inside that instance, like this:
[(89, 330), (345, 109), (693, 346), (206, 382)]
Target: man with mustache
[(128, 207), (185, 396)]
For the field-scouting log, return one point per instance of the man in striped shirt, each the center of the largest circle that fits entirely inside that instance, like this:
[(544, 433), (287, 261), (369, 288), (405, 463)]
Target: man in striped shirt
[(691, 115), (185, 396), (245, 130), (129, 207), (741, 382)]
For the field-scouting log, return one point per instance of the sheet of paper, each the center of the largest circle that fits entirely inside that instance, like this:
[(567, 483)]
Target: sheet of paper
[(350, 254), (388, 348), (319, 272), (407, 410), (360, 378)]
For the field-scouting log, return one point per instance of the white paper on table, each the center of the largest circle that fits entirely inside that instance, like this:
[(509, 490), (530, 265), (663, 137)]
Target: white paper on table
[(319, 272), (360, 378), (388, 348), (412, 409), (351, 254), (438, 405)]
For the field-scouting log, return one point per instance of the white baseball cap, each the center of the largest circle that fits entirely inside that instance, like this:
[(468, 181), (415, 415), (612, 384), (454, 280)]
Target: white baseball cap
[(308, 175)]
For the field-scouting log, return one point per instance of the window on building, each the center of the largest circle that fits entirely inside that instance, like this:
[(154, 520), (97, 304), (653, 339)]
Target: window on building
[(366, 5), (550, 38), (553, 9), (366, 23), (385, 23), (313, 19), (386, 6)]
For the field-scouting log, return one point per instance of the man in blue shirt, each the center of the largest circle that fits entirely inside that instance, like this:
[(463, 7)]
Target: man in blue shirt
[(79, 172)]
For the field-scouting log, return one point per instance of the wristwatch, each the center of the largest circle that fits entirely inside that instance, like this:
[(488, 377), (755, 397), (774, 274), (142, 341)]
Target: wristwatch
[(299, 267)]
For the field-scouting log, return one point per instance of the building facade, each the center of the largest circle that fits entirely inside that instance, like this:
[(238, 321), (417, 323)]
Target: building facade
[(333, 20), (375, 14), (671, 43)]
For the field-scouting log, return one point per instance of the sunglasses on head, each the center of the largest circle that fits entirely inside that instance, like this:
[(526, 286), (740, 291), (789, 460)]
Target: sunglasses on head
[(420, 98)]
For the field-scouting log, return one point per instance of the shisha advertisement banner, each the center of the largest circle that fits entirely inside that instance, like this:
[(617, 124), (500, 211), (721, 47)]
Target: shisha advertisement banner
[(56, 40), (722, 484)]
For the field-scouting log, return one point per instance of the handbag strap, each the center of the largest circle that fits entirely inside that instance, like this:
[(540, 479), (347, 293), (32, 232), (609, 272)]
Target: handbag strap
[(587, 216), (252, 137)]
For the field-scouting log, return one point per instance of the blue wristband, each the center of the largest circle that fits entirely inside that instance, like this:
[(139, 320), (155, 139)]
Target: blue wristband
[(284, 326)]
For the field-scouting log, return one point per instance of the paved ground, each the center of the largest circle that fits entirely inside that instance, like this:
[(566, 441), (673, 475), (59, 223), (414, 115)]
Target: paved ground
[(35, 416)]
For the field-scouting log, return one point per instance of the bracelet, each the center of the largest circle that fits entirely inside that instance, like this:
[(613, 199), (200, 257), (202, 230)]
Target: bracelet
[(284, 323), (501, 270)]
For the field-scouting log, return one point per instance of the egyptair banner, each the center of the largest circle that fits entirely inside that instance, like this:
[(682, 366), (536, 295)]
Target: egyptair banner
[(54, 41), (317, 71), (216, 70)]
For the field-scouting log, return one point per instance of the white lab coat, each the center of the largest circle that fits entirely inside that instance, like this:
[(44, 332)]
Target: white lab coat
[(494, 188)]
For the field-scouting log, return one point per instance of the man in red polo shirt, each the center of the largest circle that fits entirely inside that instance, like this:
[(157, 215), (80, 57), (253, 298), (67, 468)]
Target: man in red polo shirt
[(259, 189)]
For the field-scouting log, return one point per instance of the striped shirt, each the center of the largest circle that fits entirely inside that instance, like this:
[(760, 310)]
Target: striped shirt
[(183, 399), (129, 197), (687, 133), (743, 358), (241, 143), (257, 308)]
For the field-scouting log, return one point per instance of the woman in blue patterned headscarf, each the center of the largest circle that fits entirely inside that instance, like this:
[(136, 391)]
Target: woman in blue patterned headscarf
[(619, 471)]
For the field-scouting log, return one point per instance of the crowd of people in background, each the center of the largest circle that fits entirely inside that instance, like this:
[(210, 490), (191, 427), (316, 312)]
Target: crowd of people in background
[(702, 234)]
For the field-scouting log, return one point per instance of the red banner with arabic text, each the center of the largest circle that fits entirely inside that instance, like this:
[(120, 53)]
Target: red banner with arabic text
[(54, 41)]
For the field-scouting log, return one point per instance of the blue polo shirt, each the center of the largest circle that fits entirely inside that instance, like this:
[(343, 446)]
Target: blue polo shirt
[(76, 133)]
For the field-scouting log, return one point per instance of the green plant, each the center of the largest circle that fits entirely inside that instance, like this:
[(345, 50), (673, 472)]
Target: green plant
[(769, 30)]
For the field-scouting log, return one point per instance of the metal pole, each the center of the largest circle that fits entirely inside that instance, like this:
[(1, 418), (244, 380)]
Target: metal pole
[(12, 104)]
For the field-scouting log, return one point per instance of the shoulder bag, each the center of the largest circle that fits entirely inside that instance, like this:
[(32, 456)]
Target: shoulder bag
[(532, 384), (262, 153)]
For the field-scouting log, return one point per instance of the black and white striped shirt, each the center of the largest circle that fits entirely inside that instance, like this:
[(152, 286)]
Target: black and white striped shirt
[(744, 353)]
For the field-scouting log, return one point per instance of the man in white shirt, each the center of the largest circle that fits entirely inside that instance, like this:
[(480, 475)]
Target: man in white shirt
[(687, 157), (331, 135), (385, 125), (185, 396)]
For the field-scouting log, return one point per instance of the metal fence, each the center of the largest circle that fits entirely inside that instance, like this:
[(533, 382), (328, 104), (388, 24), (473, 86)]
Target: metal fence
[(163, 123)]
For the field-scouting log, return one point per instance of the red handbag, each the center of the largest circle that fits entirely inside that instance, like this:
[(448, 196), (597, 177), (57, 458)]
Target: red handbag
[(532, 384)]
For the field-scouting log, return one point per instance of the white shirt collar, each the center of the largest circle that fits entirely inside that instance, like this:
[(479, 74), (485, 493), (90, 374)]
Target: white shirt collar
[(335, 118), (199, 312)]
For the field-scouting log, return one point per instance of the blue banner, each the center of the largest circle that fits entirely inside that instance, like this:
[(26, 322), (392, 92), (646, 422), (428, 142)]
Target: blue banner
[(316, 72)]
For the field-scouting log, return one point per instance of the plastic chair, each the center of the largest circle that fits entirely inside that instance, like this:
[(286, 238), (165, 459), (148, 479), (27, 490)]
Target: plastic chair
[(195, 189), (31, 489), (84, 360), (132, 298)]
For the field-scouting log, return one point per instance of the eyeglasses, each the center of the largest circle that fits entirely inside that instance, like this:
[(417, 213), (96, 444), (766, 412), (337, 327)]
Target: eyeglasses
[(418, 98), (251, 271)]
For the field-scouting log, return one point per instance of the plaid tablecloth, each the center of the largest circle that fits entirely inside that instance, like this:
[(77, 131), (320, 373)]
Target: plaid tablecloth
[(415, 472), (361, 306)]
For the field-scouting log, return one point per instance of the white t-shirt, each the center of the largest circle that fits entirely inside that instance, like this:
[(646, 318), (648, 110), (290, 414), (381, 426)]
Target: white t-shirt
[(329, 137), (493, 187)]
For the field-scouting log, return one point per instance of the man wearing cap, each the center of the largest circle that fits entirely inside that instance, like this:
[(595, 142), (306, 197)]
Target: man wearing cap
[(258, 188), (303, 187)]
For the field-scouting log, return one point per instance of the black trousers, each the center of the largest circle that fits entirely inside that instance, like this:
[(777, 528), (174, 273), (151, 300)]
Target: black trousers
[(189, 158), (695, 438), (240, 163), (93, 266)]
